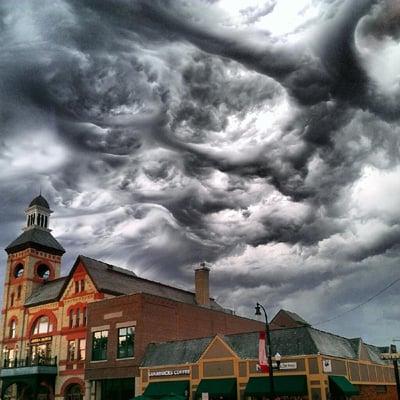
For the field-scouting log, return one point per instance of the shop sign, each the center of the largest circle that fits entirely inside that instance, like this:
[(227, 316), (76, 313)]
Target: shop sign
[(285, 365), (204, 396), (174, 372), (327, 365), (41, 339), (390, 356)]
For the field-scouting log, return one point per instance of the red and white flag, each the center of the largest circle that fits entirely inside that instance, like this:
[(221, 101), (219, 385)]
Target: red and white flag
[(262, 355)]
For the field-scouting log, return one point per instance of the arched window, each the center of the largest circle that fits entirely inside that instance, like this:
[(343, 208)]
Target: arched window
[(73, 392), (12, 299), (71, 318), (42, 325), (13, 328), (18, 270), (77, 321), (43, 271)]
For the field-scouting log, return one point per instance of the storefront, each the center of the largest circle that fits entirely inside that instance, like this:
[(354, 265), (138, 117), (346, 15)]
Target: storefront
[(225, 368)]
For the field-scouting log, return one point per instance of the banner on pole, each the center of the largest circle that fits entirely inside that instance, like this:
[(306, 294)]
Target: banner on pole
[(262, 354)]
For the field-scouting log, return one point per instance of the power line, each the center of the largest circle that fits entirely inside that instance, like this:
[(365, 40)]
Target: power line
[(359, 305)]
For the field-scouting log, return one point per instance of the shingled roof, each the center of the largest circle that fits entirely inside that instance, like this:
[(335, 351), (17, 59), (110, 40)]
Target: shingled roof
[(176, 352), (287, 342), (119, 281), (37, 238), (49, 291), (116, 281)]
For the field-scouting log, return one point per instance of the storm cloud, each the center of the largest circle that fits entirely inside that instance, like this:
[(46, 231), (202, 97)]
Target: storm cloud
[(260, 137)]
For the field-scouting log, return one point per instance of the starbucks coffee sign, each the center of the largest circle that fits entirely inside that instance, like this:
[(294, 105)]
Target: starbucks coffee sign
[(169, 372)]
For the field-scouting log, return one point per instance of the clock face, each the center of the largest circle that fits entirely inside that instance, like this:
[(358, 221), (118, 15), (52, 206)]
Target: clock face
[(43, 271), (18, 271)]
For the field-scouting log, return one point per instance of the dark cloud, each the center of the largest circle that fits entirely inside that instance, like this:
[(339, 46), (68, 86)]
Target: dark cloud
[(166, 133)]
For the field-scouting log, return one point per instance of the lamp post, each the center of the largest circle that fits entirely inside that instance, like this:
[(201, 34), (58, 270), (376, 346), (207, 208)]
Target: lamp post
[(259, 307)]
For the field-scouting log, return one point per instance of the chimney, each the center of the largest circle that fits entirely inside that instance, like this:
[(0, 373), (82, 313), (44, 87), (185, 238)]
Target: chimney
[(201, 281)]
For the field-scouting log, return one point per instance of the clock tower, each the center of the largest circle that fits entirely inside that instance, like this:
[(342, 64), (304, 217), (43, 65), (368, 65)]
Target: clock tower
[(34, 258)]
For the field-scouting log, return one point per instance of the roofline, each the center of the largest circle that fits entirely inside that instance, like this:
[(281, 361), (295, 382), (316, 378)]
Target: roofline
[(71, 273), (37, 246), (143, 279)]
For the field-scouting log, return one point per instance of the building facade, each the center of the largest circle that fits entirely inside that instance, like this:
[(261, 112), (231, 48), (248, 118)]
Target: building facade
[(315, 365), (122, 328), (45, 337)]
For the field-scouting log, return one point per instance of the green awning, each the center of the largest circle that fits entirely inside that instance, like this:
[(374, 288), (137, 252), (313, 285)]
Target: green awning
[(174, 397), (217, 387), (291, 385), (140, 397), (340, 384), (168, 388)]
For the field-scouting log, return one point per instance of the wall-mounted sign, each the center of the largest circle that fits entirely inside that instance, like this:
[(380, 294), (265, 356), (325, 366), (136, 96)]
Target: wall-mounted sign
[(174, 372), (286, 365), (41, 339), (204, 396), (327, 365), (390, 356)]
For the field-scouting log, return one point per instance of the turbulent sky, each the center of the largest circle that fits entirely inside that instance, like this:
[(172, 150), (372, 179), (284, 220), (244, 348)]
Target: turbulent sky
[(261, 137)]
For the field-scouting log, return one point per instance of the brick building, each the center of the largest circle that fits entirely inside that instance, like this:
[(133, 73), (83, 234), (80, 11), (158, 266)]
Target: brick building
[(149, 317), (44, 325)]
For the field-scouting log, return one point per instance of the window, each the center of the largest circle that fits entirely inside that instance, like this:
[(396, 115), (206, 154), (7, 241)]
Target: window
[(381, 389), (13, 326), (18, 271), (71, 318), (84, 316), (12, 299), (74, 392), (71, 350), (79, 286), (43, 325), (77, 319), (81, 349), (126, 339), (43, 271), (19, 290), (99, 345)]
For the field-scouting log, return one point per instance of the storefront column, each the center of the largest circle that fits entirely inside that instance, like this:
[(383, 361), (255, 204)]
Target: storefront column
[(138, 386)]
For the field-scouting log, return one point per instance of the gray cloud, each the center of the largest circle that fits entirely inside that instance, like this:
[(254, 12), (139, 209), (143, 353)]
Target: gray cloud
[(167, 133)]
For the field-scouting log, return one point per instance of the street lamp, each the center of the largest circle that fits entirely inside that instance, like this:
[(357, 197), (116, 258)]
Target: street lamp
[(278, 359), (259, 307)]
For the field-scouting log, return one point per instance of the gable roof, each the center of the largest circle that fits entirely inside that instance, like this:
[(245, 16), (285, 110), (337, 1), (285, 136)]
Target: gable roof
[(288, 319), (37, 238), (117, 281), (287, 342)]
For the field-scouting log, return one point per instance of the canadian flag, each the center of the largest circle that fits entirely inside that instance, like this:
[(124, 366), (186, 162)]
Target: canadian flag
[(262, 355)]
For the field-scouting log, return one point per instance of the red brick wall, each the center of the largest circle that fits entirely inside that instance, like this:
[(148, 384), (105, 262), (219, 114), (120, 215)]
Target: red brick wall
[(157, 319), (369, 392), (164, 320)]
